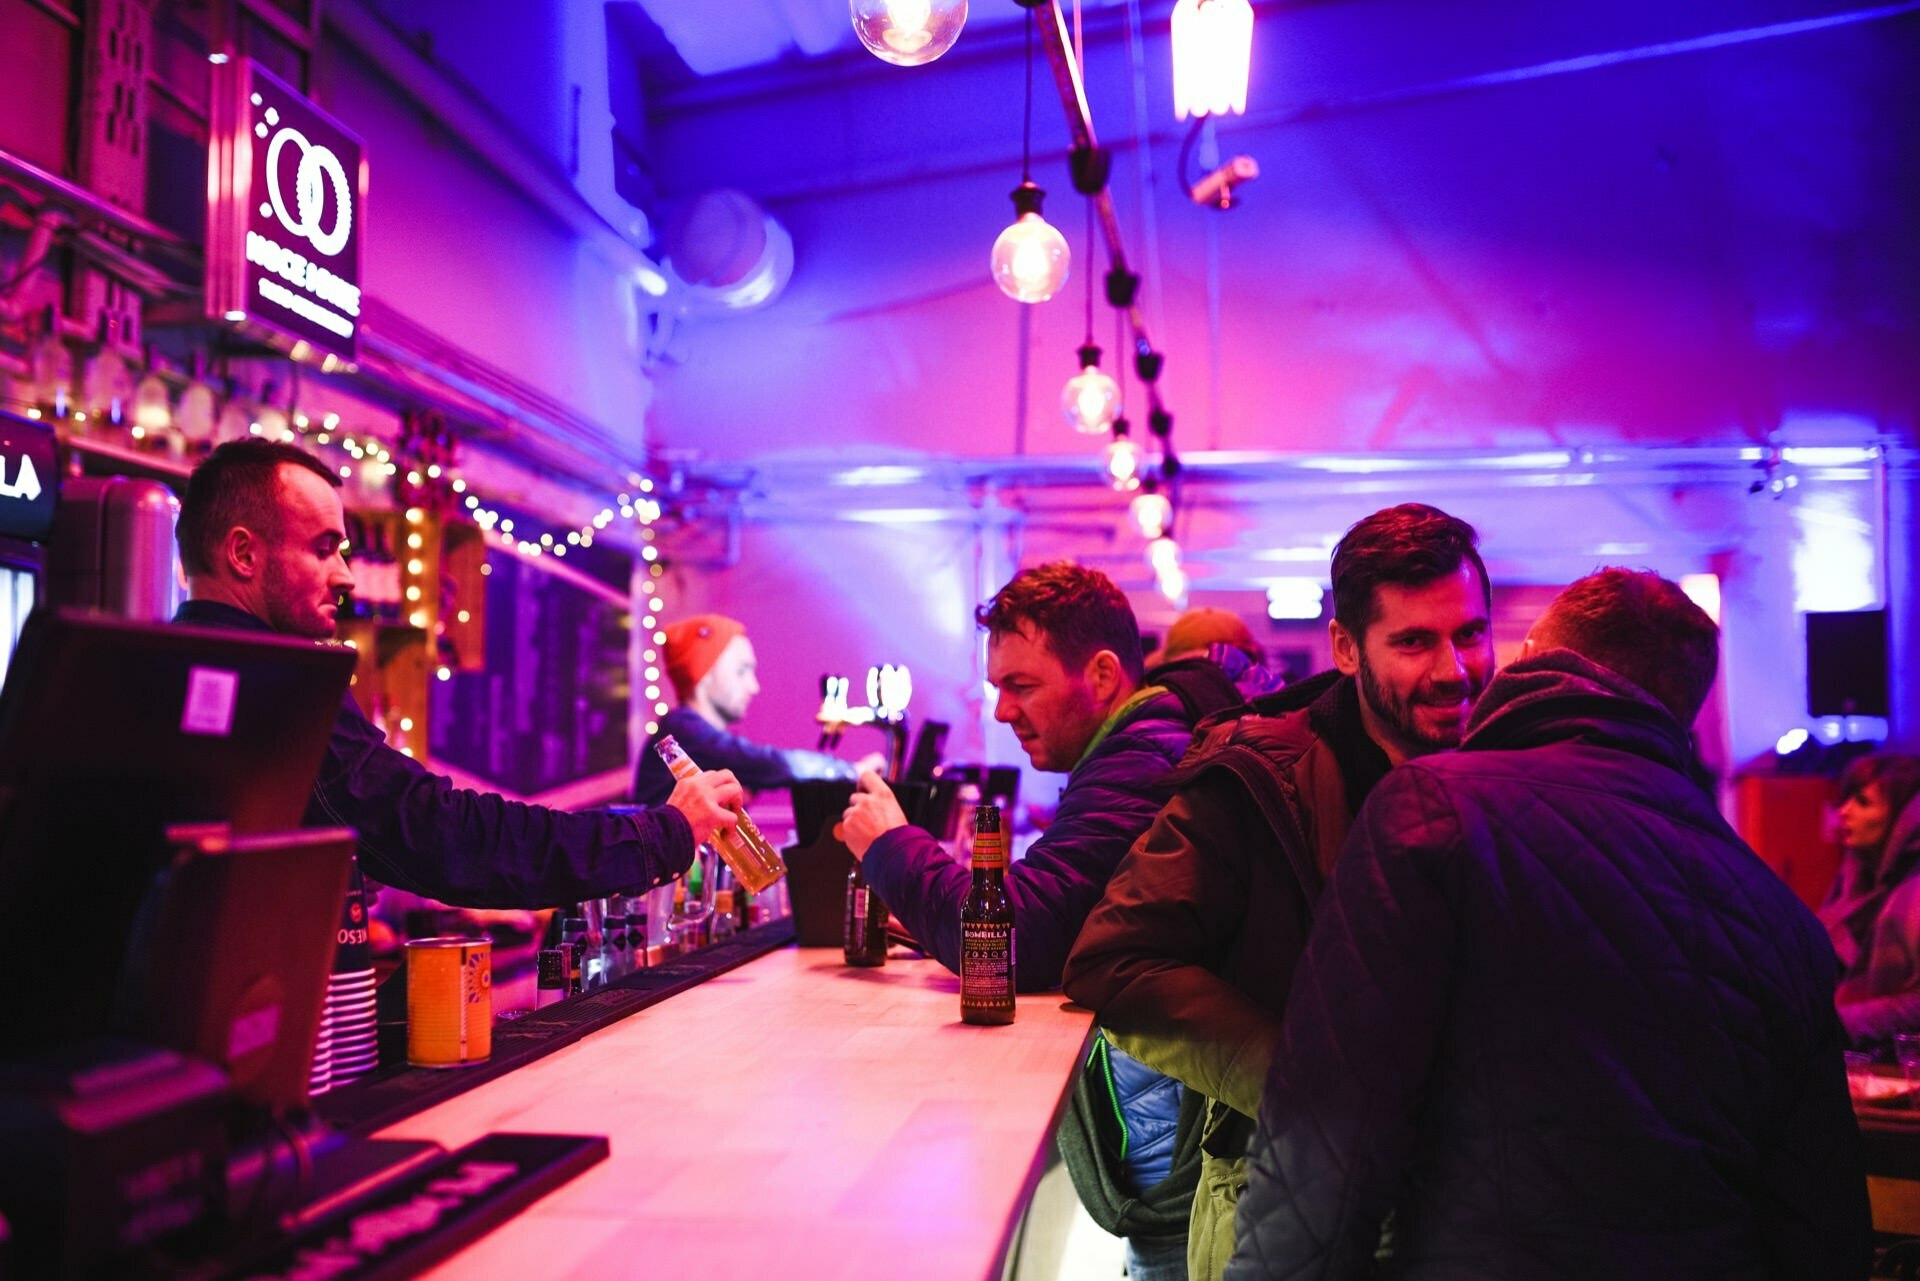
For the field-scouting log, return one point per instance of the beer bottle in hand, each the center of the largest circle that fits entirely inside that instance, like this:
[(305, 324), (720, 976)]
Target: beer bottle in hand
[(986, 927), (864, 941), (755, 863)]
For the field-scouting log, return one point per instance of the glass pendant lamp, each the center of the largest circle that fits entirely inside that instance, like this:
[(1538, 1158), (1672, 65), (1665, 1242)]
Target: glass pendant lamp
[(908, 33)]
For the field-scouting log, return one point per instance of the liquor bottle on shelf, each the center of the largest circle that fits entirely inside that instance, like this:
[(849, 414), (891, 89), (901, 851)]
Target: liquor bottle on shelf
[(755, 863), (986, 927), (864, 936)]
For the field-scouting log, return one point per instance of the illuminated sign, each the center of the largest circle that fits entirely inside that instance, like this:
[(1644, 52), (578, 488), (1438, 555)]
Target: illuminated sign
[(28, 470), (286, 214)]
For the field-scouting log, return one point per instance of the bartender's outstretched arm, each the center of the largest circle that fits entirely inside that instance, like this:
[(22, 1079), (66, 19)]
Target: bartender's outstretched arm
[(706, 800)]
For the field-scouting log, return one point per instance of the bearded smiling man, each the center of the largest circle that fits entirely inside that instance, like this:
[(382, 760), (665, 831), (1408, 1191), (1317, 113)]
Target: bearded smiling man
[(1188, 957)]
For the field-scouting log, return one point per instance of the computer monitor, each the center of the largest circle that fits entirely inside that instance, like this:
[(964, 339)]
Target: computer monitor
[(112, 732)]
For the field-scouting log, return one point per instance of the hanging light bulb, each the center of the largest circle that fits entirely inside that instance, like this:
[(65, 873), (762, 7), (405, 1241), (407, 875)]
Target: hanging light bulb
[(1090, 401), (1163, 556), (908, 33), (1151, 512), (1030, 258), (1212, 50), (1122, 459)]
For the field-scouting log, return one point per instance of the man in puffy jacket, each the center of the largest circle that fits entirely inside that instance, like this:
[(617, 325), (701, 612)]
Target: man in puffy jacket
[(1063, 649), (1187, 958), (1554, 1014)]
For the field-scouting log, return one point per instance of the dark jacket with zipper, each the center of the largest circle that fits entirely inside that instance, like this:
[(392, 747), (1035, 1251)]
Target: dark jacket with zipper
[(1561, 1020), (418, 832)]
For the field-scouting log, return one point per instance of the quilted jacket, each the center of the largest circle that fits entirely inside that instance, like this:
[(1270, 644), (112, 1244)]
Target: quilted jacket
[(1873, 918), (1186, 959), (1561, 1020)]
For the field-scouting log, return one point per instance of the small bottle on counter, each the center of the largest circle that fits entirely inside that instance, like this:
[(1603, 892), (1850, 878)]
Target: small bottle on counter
[(616, 944), (864, 936), (986, 927), (573, 937), (755, 863), (550, 976)]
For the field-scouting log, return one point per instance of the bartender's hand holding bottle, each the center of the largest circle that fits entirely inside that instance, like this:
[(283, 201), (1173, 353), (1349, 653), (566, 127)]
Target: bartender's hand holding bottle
[(871, 814), (707, 800)]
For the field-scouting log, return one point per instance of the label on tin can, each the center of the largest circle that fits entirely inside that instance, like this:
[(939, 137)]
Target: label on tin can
[(449, 1002)]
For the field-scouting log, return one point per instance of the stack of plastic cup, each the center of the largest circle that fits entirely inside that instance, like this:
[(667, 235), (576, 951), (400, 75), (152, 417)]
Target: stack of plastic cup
[(351, 1017), (320, 1078)]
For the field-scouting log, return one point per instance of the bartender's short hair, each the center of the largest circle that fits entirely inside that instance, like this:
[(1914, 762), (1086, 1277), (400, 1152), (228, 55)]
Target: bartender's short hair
[(1410, 545), (1642, 626), (237, 484), (1078, 610)]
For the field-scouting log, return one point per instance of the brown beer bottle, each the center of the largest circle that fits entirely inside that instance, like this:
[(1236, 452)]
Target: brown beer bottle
[(986, 927), (864, 940)]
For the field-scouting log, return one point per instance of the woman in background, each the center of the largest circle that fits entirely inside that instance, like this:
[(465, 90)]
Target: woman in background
[(1872, 912)]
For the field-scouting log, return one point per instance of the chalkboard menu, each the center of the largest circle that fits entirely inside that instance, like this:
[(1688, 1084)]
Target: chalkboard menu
[(551, 706)]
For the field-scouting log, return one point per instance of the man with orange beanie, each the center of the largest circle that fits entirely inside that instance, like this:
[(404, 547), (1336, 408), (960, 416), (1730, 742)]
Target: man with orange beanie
[(711, 664)]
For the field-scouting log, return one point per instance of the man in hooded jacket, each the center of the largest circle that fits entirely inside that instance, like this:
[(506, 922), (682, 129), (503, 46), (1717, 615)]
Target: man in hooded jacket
[(1554, 1014)]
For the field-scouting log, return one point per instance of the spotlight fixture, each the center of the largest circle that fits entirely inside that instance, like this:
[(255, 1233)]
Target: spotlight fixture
[(908, 33), (1212, 51), (1030, 258)]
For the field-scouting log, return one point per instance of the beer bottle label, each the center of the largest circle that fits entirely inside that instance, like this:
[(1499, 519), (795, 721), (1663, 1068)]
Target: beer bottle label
[(986, 965)]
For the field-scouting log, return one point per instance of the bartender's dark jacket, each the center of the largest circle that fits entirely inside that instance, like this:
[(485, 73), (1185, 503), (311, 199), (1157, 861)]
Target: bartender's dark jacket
[(1561, 1020), (757, 766), (419, 832), (1111, 795)]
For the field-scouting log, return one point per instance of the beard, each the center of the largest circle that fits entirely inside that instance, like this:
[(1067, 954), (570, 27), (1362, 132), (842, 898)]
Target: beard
[(1400, 714), (290, 611)]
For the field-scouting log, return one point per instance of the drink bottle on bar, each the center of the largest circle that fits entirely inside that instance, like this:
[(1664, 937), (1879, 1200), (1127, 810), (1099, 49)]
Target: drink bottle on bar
[(551, 976), (986, 927), (864, 938), (755, 863)]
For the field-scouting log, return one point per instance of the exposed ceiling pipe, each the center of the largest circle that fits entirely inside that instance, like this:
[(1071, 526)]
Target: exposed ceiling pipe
[(920, 168)]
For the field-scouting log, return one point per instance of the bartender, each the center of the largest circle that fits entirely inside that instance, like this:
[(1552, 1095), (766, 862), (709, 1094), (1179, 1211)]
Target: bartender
[(263, 539), (713, 669)]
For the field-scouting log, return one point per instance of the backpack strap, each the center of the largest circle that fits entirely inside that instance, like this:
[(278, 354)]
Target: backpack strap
[(1201, 686)]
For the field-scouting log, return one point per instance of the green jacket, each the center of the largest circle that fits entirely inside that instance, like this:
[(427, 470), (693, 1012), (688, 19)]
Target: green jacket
[(1188, 958)]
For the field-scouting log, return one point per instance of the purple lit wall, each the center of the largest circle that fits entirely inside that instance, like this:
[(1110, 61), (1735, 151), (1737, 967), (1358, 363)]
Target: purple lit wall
[(1524, 230)]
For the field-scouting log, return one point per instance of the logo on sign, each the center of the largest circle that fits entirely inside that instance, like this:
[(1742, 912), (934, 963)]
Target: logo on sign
[(317, 174), (289, 190)]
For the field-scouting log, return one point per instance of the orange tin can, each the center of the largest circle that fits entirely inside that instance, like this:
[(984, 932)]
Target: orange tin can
[(449, 1002)]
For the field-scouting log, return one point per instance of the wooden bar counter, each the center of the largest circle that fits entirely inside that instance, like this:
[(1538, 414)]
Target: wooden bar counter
[(794, 1118)]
